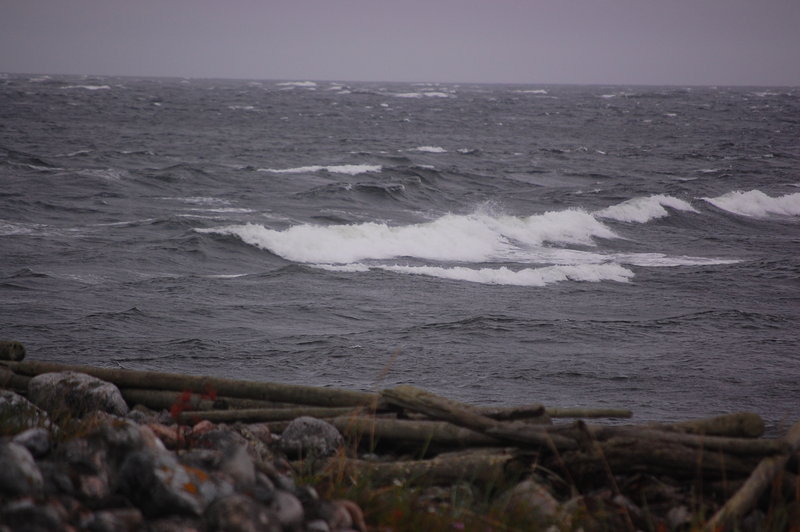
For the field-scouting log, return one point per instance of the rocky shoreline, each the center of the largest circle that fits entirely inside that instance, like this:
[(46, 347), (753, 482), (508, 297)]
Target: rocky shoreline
[(78, 453)]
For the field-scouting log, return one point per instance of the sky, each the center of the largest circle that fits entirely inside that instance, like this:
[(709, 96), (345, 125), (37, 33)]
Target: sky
[(650, 42)]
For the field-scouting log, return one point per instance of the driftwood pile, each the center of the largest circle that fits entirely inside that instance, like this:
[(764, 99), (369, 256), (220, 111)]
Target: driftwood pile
[(450, 441)]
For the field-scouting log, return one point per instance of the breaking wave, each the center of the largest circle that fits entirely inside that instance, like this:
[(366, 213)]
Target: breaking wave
[(756, 204), (644, 209)]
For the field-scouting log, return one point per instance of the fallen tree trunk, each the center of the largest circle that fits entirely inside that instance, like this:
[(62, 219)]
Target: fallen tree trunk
[(268, 391), (629, 455), (9, 379), (744, 499), (165, 399), (253, 415), (739, 424), (761, 447), (480, 468), (438, 407), (403, 430)]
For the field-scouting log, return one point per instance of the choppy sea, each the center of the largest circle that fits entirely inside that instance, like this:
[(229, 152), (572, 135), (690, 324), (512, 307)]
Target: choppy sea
[(635, 247)]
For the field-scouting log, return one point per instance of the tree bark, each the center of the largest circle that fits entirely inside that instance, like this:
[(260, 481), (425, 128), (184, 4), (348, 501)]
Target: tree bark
[(164, 399), (740, 424), (402, 430), (750, 446), (266, 391), (744, 499), (438, 407), (255, 415), (480, 468)]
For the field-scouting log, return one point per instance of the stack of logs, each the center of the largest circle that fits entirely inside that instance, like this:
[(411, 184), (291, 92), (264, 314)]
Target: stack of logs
[(493, 442)]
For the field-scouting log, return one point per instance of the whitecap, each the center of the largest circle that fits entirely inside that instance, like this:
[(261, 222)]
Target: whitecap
[(478, 237), (756, 204), (531, 91), (428, 94), (536, 277), (644, 209), (88, 87), (430, 149), (297, 84), (350, 169)]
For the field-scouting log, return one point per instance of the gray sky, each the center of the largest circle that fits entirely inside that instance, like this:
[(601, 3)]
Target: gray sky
[(717, 42)]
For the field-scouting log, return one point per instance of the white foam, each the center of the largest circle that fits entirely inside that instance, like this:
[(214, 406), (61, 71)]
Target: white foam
[(477, 237), (88, 87), (756, 204), (350, 169), (659, 260), (429, 94), (430, 149), (297, 84), (644, 209), (531, 91), (346, 268), (524, 277)]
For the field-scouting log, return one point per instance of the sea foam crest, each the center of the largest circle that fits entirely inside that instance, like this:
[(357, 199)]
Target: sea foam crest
[(477, 237), (350, 169), (88, 87), (297, 84), (502, 275), (524, 277), (644, 209), (430, 149), (756, 204)]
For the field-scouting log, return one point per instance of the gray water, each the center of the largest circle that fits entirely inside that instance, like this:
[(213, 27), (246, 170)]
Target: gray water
[(571, 245)]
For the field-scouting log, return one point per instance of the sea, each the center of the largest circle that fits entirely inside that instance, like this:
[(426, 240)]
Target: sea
[(577, 246)]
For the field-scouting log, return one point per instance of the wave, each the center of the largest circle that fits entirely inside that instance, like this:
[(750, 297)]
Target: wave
[(429, 94), (644, 209), (504, 275), (307, 84), (476, 237), (756, 204), (350, 169), (88, 87), (430, 149)]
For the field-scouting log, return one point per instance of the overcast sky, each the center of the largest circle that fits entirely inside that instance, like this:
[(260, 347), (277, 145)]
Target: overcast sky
[(684, 42)]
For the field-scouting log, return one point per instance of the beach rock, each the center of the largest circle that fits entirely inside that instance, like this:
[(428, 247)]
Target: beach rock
[(115, 520), (175, 524), (308, 436), (234, 460), (19, 474), (288, 510), (159, 485), (86, 463), (11, 351), (36, 440), (26, 514), (532, 496), (239, 513), (19, 414), (75, 394)]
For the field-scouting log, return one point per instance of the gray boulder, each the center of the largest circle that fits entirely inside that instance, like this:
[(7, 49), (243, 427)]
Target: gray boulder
[(308, 436), (76, 394), (238, 513), (36, 440), (158, 485), (19, 474), (17, 413)]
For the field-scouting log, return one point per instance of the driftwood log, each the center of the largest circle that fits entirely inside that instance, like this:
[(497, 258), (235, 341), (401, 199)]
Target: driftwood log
[(498, 466), (744, 499), (265, 391), (438, 407)]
